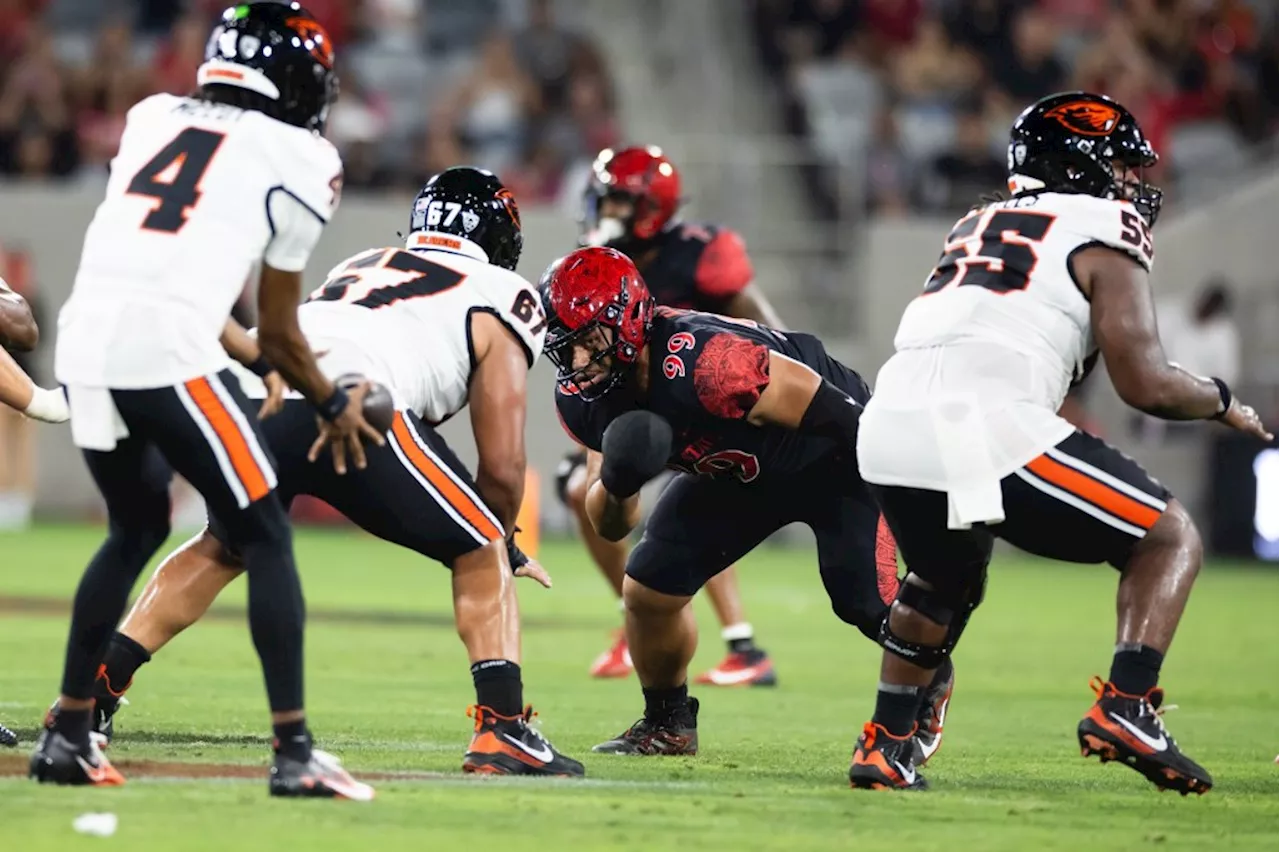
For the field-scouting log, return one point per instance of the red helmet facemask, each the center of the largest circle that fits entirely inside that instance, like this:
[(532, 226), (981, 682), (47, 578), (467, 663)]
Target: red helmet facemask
[(595, 301), (641, 177)]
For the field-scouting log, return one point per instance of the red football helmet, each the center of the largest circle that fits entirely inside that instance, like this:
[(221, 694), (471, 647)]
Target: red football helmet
[(646, 179), (595, 300)]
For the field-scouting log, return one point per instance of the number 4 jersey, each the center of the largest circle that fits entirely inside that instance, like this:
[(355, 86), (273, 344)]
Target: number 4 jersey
[(198, 194), (986, 354), (403, 317)]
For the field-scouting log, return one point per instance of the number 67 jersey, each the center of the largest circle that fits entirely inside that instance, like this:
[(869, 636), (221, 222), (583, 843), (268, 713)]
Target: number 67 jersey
[(199, 192), (986, 354), (403, 317)]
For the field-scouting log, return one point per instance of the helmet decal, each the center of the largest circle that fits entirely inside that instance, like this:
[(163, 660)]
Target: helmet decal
[(1088, 118)]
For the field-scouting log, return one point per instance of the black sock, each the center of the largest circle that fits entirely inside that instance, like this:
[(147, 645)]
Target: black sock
[(1135, 669), (276, 609), (662, 704), (124, 657), (897, 707), (498, 686), (72, 724), (293, 740), (743, 646)]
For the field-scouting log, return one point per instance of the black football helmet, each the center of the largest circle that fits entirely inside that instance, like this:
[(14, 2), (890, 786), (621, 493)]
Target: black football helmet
[(470, 203), (1071, 142), (273, 57)]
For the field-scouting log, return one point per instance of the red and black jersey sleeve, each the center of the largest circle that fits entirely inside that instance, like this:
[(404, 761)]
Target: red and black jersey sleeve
[(724, 269), (710, 366), (576, 417)]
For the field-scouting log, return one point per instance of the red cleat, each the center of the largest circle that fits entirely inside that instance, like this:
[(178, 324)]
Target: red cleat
[(615, 662), (753, 668)]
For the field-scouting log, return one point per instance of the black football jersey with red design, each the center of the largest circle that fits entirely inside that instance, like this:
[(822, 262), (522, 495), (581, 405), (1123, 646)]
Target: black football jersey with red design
[(706, 372), (696, 265)]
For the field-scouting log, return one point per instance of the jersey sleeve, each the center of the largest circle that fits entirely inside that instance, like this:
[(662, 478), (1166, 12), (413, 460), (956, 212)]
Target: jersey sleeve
[(1115, 224), (714, 371), (305, 196), (517, 305), (724, 269)]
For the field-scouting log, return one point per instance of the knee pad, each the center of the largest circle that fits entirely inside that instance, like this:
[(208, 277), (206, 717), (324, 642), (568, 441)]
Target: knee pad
[(949, 606)]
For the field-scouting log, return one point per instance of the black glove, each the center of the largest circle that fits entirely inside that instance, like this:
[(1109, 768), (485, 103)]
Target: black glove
[(635, 447)]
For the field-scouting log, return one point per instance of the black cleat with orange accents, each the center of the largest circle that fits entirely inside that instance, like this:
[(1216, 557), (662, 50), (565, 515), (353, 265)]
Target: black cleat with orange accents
[(933, 712), (508, 745), (882, 761), (1129, 729), (674, 735), (58, 760)]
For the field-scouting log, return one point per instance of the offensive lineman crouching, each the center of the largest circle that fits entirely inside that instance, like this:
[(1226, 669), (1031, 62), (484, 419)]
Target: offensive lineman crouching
[(445, 324), (762, 426)]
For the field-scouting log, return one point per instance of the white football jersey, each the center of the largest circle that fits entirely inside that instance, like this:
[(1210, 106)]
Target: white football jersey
[(403, 317), (198, 194), (986, 355)]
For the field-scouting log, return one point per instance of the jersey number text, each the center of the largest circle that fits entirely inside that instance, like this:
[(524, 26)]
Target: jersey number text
[(1003, 262), (422, 278), (173, 176)]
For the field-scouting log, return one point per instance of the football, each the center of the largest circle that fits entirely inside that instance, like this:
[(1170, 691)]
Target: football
[(379, 409)]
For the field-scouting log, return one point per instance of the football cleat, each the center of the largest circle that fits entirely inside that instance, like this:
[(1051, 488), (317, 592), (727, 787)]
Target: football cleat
[(1129, 729), (7, 737), (882, 761), (750, 668), (320, 777), (933, 712), (58, 760), (104, 712), (676, 735), (508, 745), (615, 662)]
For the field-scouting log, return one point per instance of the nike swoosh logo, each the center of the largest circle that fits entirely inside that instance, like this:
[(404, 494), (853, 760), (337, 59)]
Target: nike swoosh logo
[(722, 678), (908, 775), (95, 774), (544, 754), (1158, 743)]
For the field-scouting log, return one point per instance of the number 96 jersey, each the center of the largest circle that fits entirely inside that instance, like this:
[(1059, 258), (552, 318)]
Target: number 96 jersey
[(403, 317), (199, 192)]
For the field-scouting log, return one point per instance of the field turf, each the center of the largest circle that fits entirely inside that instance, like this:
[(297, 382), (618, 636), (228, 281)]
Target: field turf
[(388, 684)]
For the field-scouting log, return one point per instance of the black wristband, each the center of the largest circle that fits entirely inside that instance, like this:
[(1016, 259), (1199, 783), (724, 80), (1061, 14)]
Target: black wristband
[(1224, 393), (515, 555), (333, 407), (262, 367), (833, 414)]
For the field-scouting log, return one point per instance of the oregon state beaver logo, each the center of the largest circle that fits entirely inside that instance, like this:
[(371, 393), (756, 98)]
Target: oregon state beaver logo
[(1088, 118), (509, 204), (314, 38)]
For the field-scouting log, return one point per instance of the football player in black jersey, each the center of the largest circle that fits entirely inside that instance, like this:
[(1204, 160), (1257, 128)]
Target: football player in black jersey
[(763, 427), (630, 205)]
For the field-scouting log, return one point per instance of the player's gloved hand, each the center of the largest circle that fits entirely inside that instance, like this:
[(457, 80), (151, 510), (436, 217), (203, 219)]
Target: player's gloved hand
[(276, 388), (48, 406), (523, 566), (635, 447), (343, 434)]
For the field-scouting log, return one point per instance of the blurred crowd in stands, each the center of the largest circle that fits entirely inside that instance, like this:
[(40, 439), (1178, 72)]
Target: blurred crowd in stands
[(424, 85), (908, 102)]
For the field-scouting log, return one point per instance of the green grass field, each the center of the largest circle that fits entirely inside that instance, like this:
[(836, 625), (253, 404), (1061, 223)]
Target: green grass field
[(388, 685)]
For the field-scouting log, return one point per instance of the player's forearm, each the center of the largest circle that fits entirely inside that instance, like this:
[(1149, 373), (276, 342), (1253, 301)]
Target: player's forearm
[(290, 354), (16, 387), (239, 344), (613, 518), (1172, 393), (502, 490)]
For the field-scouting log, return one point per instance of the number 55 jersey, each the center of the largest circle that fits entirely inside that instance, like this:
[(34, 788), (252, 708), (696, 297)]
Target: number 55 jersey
[(199, 193), (986, 354)]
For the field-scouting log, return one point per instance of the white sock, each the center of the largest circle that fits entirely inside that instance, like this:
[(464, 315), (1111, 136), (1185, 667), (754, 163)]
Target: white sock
[(734, 632)]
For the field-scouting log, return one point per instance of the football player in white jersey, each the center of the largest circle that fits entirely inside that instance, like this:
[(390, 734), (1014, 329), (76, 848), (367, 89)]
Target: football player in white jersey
[(962, 442), (202, 188), (444, 323)]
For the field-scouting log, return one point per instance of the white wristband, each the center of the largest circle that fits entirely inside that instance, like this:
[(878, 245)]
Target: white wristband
[(49, 406)]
